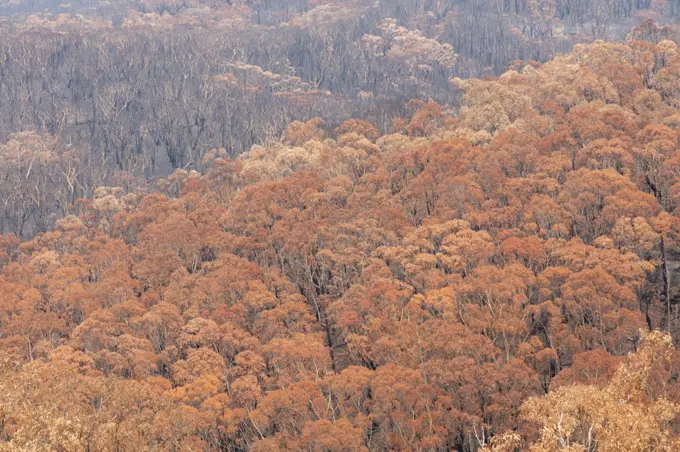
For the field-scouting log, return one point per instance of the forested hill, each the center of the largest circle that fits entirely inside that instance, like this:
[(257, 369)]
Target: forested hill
[(352, 290), (126, 92)]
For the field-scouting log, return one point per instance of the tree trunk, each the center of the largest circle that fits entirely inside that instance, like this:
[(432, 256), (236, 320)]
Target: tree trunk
[(666, 283)]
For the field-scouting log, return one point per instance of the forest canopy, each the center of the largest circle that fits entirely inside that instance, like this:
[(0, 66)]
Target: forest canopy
[(340, 226), (132, 91)]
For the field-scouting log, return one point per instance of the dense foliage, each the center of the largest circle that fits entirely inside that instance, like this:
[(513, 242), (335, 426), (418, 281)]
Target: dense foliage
[(477, 279), (131, 91)]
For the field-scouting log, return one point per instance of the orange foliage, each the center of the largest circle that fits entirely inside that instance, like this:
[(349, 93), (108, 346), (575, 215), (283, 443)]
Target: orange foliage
[(403, 292)]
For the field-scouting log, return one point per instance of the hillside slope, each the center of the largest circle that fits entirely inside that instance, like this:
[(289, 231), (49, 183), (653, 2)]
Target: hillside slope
[(355, 291)]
